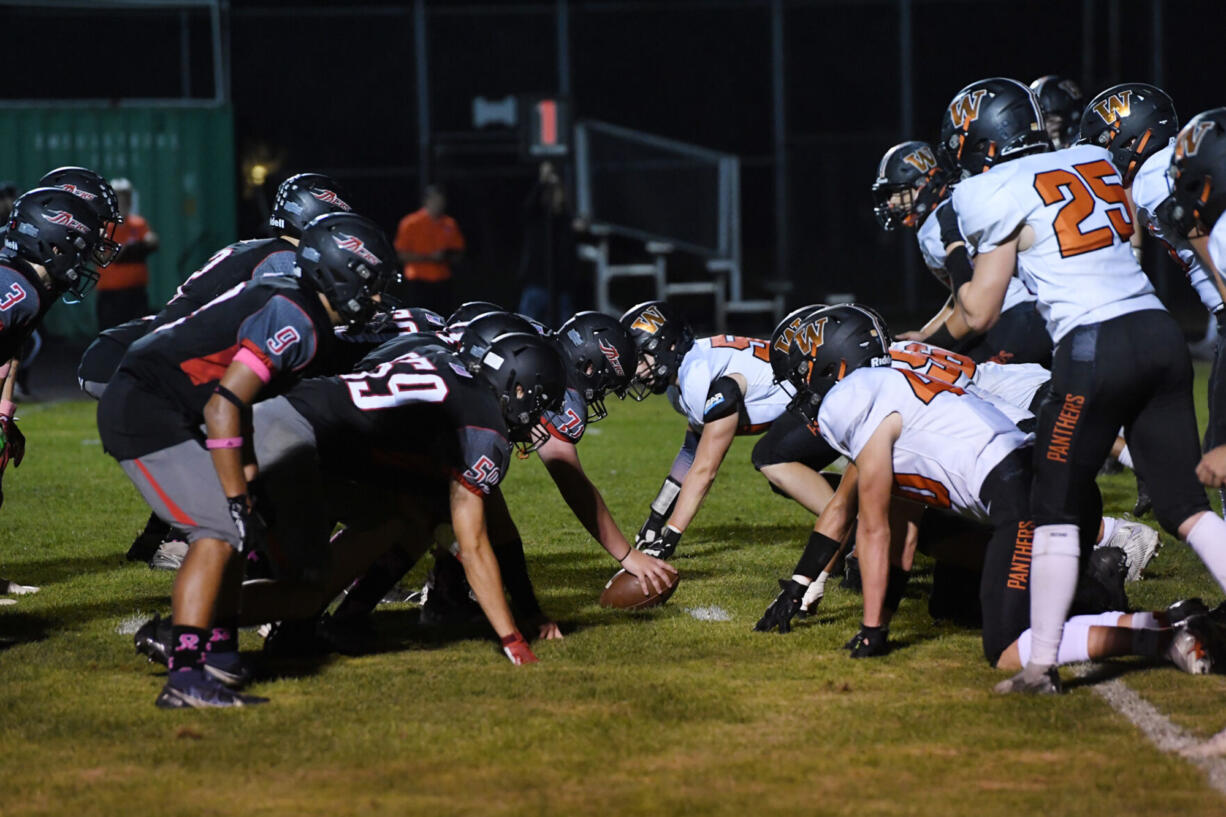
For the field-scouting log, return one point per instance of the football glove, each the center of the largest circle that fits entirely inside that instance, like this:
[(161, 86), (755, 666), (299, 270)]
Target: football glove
[(250, 525), (665, 545), (870, 641), (661, 509), (783, 609), (12, 443), (516, 648)]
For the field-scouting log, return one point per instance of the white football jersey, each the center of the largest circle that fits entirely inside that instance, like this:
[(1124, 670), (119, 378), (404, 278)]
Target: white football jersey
[(933, 250), (1151, 187), (1217, 244), (1080, 266), (951, 440), (711, 358), (1008, 386)]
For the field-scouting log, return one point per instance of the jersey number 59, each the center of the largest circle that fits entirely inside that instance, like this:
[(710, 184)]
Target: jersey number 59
[(1087, 188)]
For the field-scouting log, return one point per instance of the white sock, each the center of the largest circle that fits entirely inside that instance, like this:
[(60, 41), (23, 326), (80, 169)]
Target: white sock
[(1053, 582), (1110, 523), (1074, 643), (1208, 539), (1125, 458)]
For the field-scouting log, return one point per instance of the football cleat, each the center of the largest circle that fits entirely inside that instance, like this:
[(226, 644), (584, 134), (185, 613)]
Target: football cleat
[(227, 667), (1101, 584), (1188, 653), (193, 689), (11, 588), (1184, 609), (294, 639), (1047, 683), (146, 542), (152, 640), (169, 555), (1144, 503), (1140, 544), (402, 595)]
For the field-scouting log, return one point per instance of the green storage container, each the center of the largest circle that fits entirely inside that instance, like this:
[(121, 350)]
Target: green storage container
[(179, 159)]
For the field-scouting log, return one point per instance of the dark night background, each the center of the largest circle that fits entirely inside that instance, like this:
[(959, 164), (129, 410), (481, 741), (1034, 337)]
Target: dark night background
[(331, 87)]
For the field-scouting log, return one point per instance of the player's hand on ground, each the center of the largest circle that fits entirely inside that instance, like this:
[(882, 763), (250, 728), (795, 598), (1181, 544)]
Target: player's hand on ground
[(1211, 470), (869, 642), (649, 571), (911, 334), (783, 609), (547, 629), (650, 532), (516, 649), (12, 442)]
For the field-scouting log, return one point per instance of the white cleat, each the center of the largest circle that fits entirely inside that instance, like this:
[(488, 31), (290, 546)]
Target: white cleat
[(1188, 654), (9, 588), (1139, 543)]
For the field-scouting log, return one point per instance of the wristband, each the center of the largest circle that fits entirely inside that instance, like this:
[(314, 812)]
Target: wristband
[(224, 393), (958, 265), (7, 407), (223, 442), (624, 558), (942, 338)]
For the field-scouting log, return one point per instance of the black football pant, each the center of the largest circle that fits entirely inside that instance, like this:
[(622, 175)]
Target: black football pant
[(1019, 336)]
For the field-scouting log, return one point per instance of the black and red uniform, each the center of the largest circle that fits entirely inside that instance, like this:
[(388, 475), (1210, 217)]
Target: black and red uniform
[(24, 300)]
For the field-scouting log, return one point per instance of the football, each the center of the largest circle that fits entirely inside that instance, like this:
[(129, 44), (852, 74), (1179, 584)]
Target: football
[(623, 592)]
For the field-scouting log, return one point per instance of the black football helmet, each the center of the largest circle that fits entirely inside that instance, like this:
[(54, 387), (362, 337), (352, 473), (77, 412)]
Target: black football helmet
[(528, 376), (1133, 121), (1197, 174), (600, 358), (781, 341), (59, 231), (302, 198), (97, 191), (660, 331), (829, 344), (992, 121), (348, 259), (479, 333), (916, 173), (1060, 103), (471, 309)]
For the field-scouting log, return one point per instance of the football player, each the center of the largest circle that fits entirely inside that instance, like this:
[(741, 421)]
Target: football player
[(724, 387), (1061, 221), (205, 371), (1060, 103), (912, 190), (298, 200), (922, 439), (52, 239)]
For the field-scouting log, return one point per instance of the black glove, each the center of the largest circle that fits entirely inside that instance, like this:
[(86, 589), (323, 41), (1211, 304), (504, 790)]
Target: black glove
[(783, 609), (251, 527), (664, 545), (868, 642), (650, 532), (661, 509)]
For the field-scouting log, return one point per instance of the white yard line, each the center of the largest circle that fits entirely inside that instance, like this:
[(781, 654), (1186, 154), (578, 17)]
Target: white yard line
[(1206, 755)]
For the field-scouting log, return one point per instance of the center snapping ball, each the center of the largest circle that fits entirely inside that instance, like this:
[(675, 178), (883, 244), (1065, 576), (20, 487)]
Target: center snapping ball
[(624, 592)]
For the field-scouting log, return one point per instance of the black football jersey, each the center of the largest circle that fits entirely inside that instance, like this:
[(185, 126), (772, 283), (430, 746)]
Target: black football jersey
[(24, 300), (230, 266), (421, 417)]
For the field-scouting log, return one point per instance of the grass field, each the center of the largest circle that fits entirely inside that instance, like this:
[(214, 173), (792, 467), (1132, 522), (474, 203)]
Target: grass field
[(655, 713)]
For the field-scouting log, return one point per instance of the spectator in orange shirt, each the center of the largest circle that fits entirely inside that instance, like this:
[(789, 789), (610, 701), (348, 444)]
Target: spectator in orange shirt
[(123, 285), (428, 243)]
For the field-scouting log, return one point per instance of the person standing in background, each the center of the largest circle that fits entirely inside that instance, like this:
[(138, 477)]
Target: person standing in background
[(547, 256), (428, 243), (123, 286)]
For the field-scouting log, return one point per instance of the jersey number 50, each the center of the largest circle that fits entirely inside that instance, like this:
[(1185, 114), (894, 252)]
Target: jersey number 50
[(1087, 188)]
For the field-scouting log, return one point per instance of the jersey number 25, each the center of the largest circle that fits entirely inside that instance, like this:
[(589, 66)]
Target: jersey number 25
[(1087, 188)]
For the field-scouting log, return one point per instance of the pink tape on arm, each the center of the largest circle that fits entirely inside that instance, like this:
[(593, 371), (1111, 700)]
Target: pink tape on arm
[(223, 442), (249, 359), (7, 408)]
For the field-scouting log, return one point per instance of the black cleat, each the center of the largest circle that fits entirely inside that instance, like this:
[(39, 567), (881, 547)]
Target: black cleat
[(146, 543), (1144, 503), (153, 639), (193, 689), (1101, 585)]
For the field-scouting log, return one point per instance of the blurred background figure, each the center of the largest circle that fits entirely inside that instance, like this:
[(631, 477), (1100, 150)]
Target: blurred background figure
[(8, 195), (123, 286), (547, 257), (34, 343), (429, 242)]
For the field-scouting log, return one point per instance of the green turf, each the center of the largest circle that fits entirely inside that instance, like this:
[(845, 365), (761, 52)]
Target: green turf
[(654, 713)]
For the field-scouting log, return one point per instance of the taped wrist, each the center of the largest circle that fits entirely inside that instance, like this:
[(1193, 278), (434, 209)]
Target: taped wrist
[(818, 553), (895, 587), (667, 498), (723, 400), (958, 265), (514, 568)]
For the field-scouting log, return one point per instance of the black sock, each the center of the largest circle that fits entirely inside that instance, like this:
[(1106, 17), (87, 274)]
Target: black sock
[(224, 635), (896, 586), (187, 651), (365, 593)]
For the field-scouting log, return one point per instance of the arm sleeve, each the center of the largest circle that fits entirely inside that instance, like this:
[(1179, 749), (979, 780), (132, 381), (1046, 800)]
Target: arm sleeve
[(279, 337), (685, 456), (947, 220), (724, 399)]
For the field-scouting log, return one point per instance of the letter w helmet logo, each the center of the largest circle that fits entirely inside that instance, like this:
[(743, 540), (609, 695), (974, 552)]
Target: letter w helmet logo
[(809, 338), (1115, 107), (923, 160), (1188, 142), (649, 321), (965, 109)]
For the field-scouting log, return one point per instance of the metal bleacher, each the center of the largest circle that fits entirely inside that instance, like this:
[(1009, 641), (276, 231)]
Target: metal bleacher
[(668, 197)]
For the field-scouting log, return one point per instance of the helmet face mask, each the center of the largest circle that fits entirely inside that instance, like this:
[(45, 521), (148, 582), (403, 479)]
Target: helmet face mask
[(527, 375), (599, 353), (661, 339), (1060, 102), (58, 231), (912, 179), (91, 187), (347, 259)]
